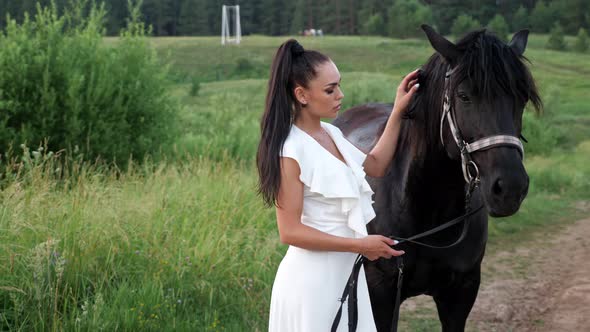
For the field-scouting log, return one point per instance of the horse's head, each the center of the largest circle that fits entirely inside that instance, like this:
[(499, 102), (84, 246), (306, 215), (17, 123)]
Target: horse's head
[(487, 85)]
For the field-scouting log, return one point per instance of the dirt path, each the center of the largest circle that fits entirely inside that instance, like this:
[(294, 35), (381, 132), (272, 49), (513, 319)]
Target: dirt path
[(541, 286)]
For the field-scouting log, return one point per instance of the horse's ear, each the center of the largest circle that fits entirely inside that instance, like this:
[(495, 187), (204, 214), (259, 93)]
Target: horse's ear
[(447, 49), (519, 40)]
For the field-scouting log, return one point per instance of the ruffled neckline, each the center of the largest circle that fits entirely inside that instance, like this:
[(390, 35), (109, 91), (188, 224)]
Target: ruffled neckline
[(355, 192), (346, 164)]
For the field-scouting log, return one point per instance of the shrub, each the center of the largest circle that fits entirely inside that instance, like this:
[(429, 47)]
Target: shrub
[(556, 40), (463, 24), (541, 135), (195, 86), (581, 43), (499, 26), (59, 81)]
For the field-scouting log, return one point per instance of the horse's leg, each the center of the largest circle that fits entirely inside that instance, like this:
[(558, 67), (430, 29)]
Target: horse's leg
[(382, 293), (454, 303)]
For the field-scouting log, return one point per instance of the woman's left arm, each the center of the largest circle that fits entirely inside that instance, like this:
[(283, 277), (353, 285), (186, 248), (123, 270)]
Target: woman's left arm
[(379, 158)]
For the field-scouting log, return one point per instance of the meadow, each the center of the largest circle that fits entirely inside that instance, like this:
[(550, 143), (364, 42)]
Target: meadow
[(184, 243)]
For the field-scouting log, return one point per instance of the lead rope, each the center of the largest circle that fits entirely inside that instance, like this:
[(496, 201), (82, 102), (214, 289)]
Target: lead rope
[(400, 278), (350, 291)]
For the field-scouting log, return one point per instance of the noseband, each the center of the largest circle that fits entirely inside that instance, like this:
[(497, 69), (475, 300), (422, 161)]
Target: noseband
[(470, 169)]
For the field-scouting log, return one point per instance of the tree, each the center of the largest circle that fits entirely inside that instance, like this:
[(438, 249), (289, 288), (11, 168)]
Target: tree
[(499, 26), (520, 20), (463, 24), (572, 14), (541, 18), (193, 18), (405, 17), (375, 25), (298, 21), (445, 13), (556, 40), (581, 44)]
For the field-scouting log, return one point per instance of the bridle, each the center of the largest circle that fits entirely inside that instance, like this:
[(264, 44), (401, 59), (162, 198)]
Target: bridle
[(471, 176), (467, 164)]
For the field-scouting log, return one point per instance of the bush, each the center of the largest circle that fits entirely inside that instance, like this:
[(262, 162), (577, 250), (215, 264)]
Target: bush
[(541, 134), (59, 81), (581, 44), (556, 40), (195, 86), (499, 26), (463, 24)]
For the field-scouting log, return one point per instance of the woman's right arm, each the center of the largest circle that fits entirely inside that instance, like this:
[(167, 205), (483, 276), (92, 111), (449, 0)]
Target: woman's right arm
[(293, 232)]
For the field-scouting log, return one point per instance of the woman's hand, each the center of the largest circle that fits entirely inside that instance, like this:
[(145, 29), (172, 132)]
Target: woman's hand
[(377, 246), (405, 91)]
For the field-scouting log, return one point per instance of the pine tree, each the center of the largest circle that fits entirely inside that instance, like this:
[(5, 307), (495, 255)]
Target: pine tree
[(463, 24), (520, 20), (499, 26), (572, 14), (405, 17), (298, 21), (541, 18), (374, 25), (193, 18), (152, 10), (556, 40), (445, 12), (581, 44)]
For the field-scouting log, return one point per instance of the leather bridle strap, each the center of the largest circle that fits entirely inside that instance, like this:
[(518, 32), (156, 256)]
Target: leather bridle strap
[(467, 164)]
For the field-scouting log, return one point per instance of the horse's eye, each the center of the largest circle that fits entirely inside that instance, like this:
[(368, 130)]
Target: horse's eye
[(463, 97)]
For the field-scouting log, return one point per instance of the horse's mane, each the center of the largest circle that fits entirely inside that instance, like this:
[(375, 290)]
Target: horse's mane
[(492, 67)]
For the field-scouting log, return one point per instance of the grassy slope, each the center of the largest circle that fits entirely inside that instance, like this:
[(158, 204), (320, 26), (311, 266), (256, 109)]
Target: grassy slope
[(188, 245)]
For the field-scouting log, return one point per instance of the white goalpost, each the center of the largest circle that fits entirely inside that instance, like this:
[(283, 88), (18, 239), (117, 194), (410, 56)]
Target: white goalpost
[(226, 19)]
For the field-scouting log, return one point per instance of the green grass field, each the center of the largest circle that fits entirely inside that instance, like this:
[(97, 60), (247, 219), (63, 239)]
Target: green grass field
[(186, 244)]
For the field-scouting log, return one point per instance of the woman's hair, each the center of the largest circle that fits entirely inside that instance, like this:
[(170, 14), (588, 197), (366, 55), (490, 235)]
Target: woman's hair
[(292, 66)]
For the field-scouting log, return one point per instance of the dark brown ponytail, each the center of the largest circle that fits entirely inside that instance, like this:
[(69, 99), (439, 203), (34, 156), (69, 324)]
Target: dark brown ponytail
[(291, 66)]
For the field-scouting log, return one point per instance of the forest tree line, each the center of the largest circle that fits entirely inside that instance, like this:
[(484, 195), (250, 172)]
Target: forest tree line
[(395, 18)]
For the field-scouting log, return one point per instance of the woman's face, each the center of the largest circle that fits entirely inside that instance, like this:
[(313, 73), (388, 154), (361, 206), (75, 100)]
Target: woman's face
[(323, 97)]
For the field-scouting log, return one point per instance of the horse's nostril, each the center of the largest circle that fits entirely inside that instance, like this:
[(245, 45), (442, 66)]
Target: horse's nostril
[(497, 187)]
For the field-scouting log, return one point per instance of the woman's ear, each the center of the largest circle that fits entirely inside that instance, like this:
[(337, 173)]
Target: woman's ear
[(300, 95)]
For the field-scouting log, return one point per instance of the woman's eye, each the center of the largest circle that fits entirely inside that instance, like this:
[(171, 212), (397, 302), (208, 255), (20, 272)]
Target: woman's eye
[(329, 91)]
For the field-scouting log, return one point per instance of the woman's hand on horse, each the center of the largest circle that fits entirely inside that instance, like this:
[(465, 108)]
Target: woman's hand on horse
[(378, 246), (405, 91)]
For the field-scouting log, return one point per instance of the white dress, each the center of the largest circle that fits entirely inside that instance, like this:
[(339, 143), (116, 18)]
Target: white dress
[(337, 200)]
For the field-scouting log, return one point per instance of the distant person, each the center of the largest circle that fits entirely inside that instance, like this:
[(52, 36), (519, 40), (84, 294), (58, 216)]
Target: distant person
[(314, 177)]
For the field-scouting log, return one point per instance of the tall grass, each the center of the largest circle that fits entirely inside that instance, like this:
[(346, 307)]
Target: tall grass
[(174, 246), (185, 244)]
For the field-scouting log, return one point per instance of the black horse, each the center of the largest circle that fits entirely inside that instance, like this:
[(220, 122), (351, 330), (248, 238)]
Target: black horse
[(488, 86)]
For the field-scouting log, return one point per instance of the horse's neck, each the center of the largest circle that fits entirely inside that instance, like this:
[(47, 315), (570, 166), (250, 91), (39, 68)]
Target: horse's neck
[(432, 185)]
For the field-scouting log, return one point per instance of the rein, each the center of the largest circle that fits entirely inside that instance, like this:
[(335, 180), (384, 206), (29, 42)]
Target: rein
[(472, 178)]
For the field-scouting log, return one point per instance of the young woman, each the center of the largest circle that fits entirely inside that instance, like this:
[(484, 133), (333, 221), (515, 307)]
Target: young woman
[(316, 180)]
